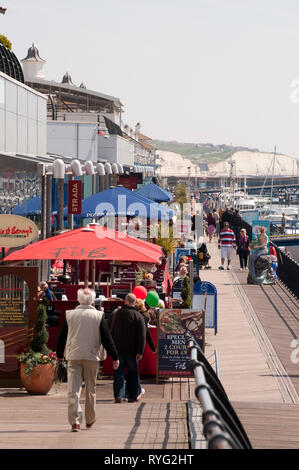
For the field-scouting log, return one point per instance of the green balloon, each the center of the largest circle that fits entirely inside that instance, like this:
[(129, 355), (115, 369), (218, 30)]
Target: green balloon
[(152, 299)]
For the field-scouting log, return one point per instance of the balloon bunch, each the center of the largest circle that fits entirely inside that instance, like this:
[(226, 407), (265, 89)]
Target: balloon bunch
[(150, 297)]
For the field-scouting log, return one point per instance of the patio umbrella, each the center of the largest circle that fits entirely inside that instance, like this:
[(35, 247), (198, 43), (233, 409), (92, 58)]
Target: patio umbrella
[(30, 207), (121, 201), (92, 242), (154, 192)]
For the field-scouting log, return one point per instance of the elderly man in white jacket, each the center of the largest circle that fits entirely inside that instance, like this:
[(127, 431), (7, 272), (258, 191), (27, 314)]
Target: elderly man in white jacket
[(83, 340)]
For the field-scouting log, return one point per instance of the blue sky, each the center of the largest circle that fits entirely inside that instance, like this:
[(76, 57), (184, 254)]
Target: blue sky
[(215, 71)]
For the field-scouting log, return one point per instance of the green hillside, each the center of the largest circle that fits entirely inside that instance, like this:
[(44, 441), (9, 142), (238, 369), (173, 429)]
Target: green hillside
[(199, 153)]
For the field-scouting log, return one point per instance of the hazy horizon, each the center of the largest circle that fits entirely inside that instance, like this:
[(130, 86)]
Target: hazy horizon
[(194, 71)]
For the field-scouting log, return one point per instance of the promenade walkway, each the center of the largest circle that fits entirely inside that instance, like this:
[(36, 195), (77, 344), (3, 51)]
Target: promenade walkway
[(256, 326)]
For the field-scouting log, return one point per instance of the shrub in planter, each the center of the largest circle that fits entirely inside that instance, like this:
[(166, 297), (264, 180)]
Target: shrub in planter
[(186, 293), (38, 365)]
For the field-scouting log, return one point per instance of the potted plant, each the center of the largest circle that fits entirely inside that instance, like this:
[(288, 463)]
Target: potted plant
[(186, 294), (38, 365)]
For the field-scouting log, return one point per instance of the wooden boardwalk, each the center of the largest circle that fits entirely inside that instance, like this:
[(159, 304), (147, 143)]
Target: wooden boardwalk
[(256, 327)]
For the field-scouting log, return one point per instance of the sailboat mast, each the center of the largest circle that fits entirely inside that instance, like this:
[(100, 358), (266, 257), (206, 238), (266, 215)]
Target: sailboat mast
[(271, 196)]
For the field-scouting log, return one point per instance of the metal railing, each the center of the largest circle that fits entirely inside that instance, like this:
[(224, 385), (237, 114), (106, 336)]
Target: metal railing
[(287, 270), (221, 425)]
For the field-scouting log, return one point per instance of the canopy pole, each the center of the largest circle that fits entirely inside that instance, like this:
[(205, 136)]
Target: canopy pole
[(86, 273)]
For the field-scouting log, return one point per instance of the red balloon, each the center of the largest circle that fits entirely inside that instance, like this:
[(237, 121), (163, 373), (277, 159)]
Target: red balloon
[(140, 292)]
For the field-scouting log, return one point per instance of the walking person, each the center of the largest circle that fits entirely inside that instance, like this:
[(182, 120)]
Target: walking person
[(226, 216), (197, 226), (283, 223), (243, 248), (82, 341), (226, 242), (236, 223), (211, 226), (128, 330), (217, 220)]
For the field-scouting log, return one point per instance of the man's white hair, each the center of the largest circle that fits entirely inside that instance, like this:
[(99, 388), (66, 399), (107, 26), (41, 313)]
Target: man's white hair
[(86, 296)]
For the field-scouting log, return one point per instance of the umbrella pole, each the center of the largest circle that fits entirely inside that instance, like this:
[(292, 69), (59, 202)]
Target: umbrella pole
[(93, 273), (77, 272), (86, 274)]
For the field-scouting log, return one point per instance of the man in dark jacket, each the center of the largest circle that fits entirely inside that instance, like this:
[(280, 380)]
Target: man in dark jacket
[(129, 334), (236, 223)]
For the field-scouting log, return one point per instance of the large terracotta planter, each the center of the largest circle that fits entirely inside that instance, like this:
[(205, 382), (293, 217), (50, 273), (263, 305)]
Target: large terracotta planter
[(40, 381)]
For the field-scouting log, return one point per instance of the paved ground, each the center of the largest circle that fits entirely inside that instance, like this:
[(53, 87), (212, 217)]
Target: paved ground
[(41, 421)]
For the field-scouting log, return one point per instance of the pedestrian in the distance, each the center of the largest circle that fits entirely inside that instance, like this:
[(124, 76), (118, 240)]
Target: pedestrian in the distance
[(211, 226), (236, 223), (283, 223), (82, 341), (217, 219), (226, 242), (128, 330), (243, 248)]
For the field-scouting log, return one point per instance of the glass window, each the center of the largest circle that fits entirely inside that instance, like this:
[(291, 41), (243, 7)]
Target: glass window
[(11, 97), (11, 132), (2, 97), (22, 101), (32, 106)]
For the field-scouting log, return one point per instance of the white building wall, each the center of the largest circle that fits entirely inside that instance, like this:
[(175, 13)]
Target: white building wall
[(76, 140), (23, 115), (116, 149)]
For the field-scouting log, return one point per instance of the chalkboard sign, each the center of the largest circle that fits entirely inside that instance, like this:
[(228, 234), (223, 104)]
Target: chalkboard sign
[(173, 355), (18, 312)]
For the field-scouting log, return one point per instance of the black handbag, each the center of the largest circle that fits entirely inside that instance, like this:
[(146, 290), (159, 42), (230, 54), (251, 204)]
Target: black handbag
[(61, 372)]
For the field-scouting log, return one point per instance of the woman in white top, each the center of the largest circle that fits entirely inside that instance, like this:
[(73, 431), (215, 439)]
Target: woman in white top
[(262, 249), (263, 238)]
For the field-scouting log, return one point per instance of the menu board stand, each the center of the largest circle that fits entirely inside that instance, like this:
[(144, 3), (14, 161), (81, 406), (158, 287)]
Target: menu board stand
[(18, 314), (172, 352)]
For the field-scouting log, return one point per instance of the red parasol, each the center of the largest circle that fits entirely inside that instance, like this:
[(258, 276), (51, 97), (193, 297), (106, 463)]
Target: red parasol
[(93, 242)]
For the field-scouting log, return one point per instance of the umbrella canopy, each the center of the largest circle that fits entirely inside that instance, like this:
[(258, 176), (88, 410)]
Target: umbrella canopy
[(30, 207), (121, 201), (154, 192), (92, 242)]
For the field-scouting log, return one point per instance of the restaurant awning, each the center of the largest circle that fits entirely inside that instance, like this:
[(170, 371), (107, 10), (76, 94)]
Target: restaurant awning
[(92, 242)]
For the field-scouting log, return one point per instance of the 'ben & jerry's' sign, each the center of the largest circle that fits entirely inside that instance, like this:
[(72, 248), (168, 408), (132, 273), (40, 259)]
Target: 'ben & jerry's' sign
[(16, 230)]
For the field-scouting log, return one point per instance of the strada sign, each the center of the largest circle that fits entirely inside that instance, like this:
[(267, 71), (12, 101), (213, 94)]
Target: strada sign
[(74, 197), (16, 230)]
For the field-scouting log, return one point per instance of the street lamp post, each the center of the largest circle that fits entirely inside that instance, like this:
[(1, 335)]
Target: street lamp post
[(58, 173)]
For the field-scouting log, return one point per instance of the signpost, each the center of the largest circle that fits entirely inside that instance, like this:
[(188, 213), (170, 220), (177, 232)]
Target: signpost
[(249, 216), (75, 197), (205, 294), (172, 354)]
